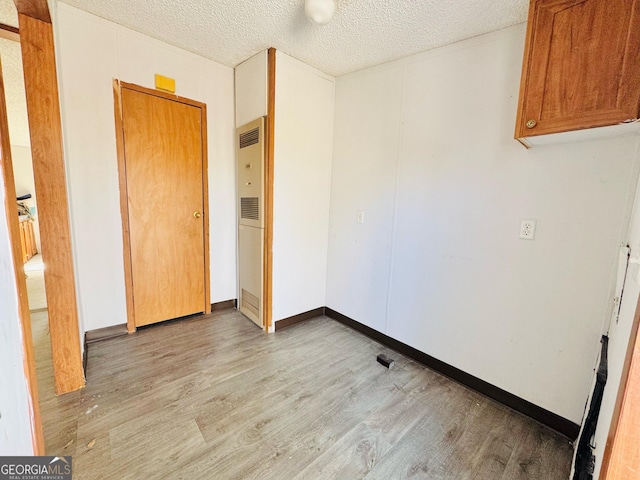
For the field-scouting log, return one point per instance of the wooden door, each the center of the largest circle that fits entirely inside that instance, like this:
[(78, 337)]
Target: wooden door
[(581, 65), (165, 173)]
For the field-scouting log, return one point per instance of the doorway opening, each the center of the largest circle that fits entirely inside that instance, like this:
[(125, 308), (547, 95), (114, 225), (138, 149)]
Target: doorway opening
[(27, 205)]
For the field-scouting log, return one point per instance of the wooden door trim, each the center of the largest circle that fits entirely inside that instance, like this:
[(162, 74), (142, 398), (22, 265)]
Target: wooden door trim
[(9, 33), (45, 130), (205, 208), (24, 317), (161, 94), (38, 9), (122, 181), (267, 279), (124, 210), (620, 439)]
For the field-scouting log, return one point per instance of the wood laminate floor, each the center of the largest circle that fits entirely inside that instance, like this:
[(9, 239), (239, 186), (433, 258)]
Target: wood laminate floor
[(212, 397)]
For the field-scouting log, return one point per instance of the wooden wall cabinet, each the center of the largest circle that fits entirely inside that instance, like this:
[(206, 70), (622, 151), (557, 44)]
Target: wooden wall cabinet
[(27, 239), (581, 66)]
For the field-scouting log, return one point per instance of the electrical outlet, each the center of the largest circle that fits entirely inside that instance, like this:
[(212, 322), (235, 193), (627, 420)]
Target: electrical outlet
[(528, 229), (360, 216)]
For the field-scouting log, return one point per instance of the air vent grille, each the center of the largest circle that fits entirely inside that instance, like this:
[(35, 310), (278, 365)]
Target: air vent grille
[(249, 208), (250, 302), (249, 138)]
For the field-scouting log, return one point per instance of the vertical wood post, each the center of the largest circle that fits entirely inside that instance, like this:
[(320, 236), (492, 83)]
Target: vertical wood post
[(11, 213), (43, 107)]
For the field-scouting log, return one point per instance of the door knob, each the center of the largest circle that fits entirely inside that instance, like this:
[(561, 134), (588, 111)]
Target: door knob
[(197, 214)]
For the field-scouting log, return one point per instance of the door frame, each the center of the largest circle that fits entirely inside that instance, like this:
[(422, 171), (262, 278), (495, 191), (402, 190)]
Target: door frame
[(24, 316), (267, 270), (124, 204), (45, 131), (620, 454)]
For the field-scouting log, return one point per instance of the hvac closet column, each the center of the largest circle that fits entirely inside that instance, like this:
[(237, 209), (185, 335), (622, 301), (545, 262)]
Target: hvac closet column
[(254, 267), (251, 219)]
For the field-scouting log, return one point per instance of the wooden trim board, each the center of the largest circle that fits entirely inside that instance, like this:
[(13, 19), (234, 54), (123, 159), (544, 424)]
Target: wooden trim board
[(545, 417), (301, 317), (43, 108), (267, 300), (122, 180), (37, 9), (9, 33), (11, 213), (100, 334), (621, 456), (226, 305), (205, 205), (162, 94), (124, 210)]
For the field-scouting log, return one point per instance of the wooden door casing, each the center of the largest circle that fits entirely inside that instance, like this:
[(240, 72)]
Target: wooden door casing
[(45, 133), (24, 315), (163, 175)]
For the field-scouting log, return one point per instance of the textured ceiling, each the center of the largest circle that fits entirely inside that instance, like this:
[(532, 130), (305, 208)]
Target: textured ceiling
[(8, 13), (14, 92), (362, 33)]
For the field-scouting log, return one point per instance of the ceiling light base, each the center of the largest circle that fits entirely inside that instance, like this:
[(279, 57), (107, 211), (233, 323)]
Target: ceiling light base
[(319, 12)]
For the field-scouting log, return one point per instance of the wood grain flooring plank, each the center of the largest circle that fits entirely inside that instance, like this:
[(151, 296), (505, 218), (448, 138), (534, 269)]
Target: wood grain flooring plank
[(206, 390), (138, 350), (484, 450), (406, 407), (352, 456), (169, 439), (282, 421), (425, 450), (212, 396), (92, 459), (245, 428), (540, 454), (303, 442), (59, 414)]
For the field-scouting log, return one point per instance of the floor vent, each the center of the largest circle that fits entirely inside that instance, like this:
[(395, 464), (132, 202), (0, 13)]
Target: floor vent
[(250, 302)]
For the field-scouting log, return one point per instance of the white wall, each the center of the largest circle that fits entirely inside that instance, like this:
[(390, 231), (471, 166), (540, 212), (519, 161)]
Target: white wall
[(619, 334), (251, 89), (15, 423), (302, 175), (425, 147), (92, 52), (23, 176)]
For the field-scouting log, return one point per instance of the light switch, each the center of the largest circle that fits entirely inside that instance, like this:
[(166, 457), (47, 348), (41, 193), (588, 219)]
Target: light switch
[(360, 216)]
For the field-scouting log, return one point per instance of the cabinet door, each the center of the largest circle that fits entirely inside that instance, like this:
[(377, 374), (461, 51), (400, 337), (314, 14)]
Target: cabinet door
[(581, 66)]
